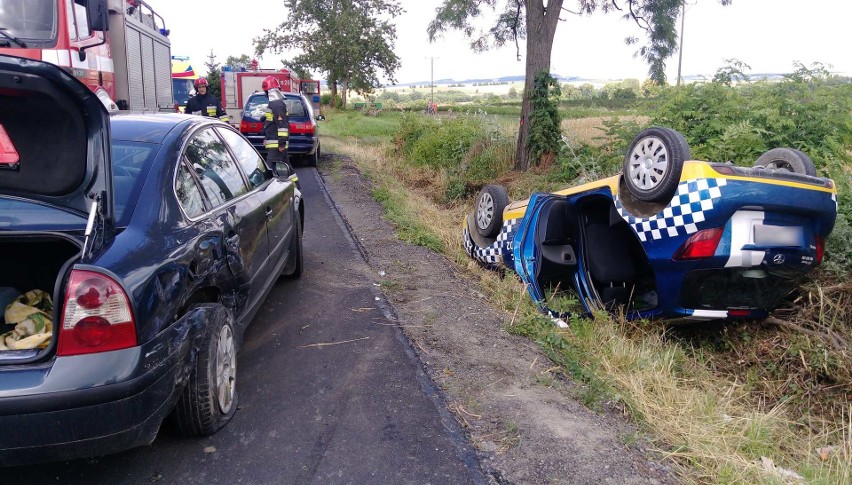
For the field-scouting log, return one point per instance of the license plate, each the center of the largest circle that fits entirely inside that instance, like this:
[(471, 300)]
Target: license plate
[(779, 236)]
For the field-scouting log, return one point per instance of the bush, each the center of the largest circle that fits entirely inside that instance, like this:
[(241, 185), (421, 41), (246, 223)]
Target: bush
[(325, 100), (467, 150)]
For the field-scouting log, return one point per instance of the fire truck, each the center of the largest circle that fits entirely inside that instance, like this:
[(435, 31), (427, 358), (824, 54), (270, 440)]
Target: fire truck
[(237, 86), (119, 48)]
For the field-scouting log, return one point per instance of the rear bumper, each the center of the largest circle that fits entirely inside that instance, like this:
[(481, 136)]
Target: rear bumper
[(298, 145), (97, 429), (96, 404)]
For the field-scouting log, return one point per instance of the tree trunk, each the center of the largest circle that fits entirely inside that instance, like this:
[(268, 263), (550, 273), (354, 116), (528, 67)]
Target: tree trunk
[(541, 27), (332, 83), (345, 89)]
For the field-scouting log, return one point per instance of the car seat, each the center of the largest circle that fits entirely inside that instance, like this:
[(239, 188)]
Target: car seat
[(609, 256)]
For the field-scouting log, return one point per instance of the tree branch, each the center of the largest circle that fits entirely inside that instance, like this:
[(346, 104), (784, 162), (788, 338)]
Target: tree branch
[(637, 18), (515, 30)]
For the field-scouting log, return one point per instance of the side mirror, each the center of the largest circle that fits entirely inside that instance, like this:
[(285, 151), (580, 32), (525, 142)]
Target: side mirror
[(97, 12), (283, 169), (320, 118)]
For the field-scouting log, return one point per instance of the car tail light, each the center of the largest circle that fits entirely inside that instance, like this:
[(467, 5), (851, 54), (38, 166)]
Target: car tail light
[(700, 245), (738, 312), (820, 249), (8, 154), (300, 128), (96, 316), (249, 127)]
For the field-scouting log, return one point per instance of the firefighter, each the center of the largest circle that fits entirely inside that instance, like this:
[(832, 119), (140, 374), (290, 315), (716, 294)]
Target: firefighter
[(276, 123), (204, 104)]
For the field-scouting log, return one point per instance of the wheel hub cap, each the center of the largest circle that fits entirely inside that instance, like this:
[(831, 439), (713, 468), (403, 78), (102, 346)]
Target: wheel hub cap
[(484, 211), (649, 162), (226, 370)]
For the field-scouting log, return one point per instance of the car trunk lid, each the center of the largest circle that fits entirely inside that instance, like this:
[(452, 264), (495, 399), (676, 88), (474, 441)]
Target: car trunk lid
[(55, 142)]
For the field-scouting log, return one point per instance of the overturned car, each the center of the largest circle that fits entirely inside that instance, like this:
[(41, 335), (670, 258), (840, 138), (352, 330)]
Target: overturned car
[(669, 238)]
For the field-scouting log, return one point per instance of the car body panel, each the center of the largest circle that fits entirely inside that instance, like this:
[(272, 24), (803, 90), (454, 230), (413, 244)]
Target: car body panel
[(768, 222)]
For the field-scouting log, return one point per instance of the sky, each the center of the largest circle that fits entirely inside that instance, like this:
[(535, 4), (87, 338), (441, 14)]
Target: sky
[(768, 35)]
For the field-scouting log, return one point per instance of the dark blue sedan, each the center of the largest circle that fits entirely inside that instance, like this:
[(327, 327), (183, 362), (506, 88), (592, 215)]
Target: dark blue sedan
[(157, 238)]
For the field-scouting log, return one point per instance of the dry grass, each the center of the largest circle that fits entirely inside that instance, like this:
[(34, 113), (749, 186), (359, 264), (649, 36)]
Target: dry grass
[(588, 131), (707, 418)]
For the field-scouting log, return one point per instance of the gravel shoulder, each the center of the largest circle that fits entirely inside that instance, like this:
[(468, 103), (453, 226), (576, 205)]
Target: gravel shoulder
[(521, 419)]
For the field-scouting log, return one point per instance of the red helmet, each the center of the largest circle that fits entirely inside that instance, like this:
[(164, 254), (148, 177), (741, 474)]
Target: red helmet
[(270, 82), (202, 81)]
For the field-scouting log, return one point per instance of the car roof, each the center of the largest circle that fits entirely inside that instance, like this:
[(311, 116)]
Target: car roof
[(285, 93), (148, 128)]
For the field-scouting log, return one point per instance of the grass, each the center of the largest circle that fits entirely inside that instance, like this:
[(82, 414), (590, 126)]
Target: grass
[(717, 400)]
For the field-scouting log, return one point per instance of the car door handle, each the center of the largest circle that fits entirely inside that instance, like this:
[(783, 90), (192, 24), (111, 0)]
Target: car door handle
[(269, 213), (233, 240)]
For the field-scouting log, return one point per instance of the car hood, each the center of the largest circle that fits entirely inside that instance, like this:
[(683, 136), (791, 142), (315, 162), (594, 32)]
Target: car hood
[(55, 139)]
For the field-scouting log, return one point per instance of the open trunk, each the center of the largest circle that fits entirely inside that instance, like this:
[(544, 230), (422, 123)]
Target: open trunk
[(32, 262)]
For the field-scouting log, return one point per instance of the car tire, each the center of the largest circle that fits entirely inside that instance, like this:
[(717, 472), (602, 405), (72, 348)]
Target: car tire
[(488, 215), (312, 159), (654, 162), (788, 159), (293, 266), (209, 399)]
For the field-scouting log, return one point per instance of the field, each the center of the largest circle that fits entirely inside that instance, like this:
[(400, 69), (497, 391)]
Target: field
[(756, 402)]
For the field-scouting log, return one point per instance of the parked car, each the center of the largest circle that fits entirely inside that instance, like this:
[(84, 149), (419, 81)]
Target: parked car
[(158, 237), (668, 238), (304, 132)]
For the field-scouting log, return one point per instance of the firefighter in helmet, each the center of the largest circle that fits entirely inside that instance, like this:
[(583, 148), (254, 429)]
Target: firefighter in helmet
[(276, 123), (204, 104)]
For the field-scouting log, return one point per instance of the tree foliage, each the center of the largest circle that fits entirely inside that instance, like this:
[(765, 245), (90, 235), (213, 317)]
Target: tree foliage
[(351, 41), (545, 131), (214, 75), (536, 22), (243, 61)]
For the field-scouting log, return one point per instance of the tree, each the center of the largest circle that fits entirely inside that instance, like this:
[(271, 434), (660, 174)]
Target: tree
[(351, 41), (238, 63), (536, 21), (214, 76)]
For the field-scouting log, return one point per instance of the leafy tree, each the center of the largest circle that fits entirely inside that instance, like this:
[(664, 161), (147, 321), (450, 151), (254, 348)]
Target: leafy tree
[(733, 70), (351, 41), (214, 75), (536, 21), (237, 63)]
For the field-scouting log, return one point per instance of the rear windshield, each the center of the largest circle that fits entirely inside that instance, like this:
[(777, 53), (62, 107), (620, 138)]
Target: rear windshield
[(130, 163), (31, 21), (256, 105)]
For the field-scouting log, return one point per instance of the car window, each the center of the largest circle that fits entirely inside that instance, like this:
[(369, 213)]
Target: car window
[(218, 172), (257, 103), (130, 163), (188, 193), (295, 107), (252, 163)]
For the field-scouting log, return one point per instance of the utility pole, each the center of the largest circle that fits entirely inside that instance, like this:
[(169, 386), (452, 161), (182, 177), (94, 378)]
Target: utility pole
[(680, 48), (432, 81)]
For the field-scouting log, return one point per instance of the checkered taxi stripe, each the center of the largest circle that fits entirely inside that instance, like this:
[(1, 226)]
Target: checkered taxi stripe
[(493, 254), (683, 214)]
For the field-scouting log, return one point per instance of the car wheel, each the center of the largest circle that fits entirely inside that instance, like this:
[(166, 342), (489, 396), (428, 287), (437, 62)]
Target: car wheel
[(312, 159), (209, 399), (787, 159), (293, 266), (654, 162), (490, 202)]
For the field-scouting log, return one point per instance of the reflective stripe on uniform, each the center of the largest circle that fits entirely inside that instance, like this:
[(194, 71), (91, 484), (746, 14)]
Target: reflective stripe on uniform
[(283, 132), (268, 115), (225, 118), (270, 143), (211, 110)]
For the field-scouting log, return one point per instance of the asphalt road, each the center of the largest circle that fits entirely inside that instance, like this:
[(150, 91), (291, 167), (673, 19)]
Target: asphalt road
[(361, 411)]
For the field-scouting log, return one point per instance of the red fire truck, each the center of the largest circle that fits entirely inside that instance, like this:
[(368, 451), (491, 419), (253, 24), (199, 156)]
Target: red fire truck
[(237, 86), (119, 48)]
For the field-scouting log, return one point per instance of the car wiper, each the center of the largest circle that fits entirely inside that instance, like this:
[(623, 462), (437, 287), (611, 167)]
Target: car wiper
[(12, 38)]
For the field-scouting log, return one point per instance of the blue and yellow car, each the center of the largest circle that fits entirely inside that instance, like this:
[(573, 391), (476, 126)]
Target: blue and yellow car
[(669, 237)]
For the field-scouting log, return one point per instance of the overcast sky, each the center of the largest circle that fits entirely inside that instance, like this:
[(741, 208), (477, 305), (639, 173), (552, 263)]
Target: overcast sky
[(766, 34)]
